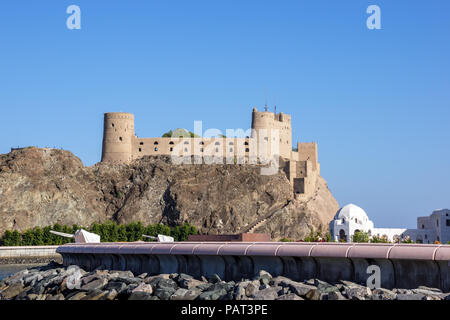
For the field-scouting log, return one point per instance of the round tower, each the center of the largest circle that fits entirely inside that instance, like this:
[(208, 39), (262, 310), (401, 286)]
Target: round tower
[(118, 133), (275, 129)]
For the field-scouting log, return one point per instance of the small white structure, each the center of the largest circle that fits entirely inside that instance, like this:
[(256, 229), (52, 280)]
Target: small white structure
[(352, 218), (81, 236)]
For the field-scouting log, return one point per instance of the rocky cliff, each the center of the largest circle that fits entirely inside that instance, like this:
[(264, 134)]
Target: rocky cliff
[(40, 187)]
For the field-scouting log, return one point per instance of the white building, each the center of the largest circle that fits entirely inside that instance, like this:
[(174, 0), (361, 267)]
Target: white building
[(352, 218), (435, 227)]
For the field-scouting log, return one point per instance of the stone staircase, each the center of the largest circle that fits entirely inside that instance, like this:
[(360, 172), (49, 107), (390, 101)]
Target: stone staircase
[(253, 226)]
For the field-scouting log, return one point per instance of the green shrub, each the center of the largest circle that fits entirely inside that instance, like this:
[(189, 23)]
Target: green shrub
[(108, 232), (360, 236)]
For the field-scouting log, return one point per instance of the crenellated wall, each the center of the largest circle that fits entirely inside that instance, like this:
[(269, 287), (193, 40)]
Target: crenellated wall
[(271, 136)]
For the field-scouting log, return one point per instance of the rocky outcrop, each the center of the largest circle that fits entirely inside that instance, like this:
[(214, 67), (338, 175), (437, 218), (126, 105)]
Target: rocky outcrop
[(40, 187), (54, 282)]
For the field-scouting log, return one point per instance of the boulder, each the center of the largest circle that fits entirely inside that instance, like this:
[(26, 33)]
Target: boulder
[(112, 294), (12, 290), (252, 288), (358, 293), (164, 293), (289, 296), (335, 295), (313, 294), (185, 294), (143, 287), (94, 285), (95, 294), (270, 293), (116, 285), (76, 296), (383, 294)]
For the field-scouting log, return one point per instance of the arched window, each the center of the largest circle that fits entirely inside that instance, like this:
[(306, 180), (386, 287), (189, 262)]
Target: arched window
[(141, 143), (247, 150), (156, 143), (231, 149), (245, 143), (201, 143), (231, 144), (186, 142), (171, 142), (217, 143), (156, 148)]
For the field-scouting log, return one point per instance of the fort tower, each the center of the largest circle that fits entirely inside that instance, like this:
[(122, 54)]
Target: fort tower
[(118, 134)]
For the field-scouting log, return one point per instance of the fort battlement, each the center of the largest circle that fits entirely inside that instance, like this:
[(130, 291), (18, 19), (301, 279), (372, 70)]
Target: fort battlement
[(271, 135)]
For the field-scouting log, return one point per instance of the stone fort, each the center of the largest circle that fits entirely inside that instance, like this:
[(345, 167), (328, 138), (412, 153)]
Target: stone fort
[(272, 130)]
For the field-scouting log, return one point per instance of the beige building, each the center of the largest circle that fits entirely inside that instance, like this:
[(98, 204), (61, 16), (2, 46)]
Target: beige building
[(270, 138)]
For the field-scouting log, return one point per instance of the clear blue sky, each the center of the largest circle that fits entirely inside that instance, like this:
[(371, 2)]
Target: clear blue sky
[(376, 101)]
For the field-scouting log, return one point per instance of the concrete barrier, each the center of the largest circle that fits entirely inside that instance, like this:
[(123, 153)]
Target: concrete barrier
[(401, 265), (28, 254)]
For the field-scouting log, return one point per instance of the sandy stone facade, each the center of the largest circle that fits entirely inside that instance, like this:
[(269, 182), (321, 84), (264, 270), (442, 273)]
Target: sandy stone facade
[(271, 137)]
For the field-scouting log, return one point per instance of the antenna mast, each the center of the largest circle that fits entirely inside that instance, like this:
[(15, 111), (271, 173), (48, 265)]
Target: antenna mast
[(265, 106)]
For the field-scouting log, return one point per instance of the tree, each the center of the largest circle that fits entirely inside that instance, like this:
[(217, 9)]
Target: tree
[(360, 236)]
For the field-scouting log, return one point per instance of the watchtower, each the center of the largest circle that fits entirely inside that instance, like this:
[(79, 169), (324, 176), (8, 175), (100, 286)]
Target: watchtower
[(273, 128), (118, 134)]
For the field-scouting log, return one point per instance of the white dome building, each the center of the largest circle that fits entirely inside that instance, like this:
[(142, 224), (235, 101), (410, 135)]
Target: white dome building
[(347, 221), (352, 218)]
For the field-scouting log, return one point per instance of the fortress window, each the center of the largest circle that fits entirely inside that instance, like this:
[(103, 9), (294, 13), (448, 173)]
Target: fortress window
[(247, 150), (217, 149), (120, 138), (201, 143), (185, 149), (171, 142), (266, 138), (231, 144), (140, 150), (112, 125), (437, 223), (156, 148), (186, 142), (156, 143), (245, 143), (201, 149), (171, 149), (447, 222), (217, 143), (141, 143), (423, 227), (426, 237)]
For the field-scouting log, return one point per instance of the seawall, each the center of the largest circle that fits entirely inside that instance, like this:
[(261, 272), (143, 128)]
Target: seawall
[(400, 265), (29, 254)]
